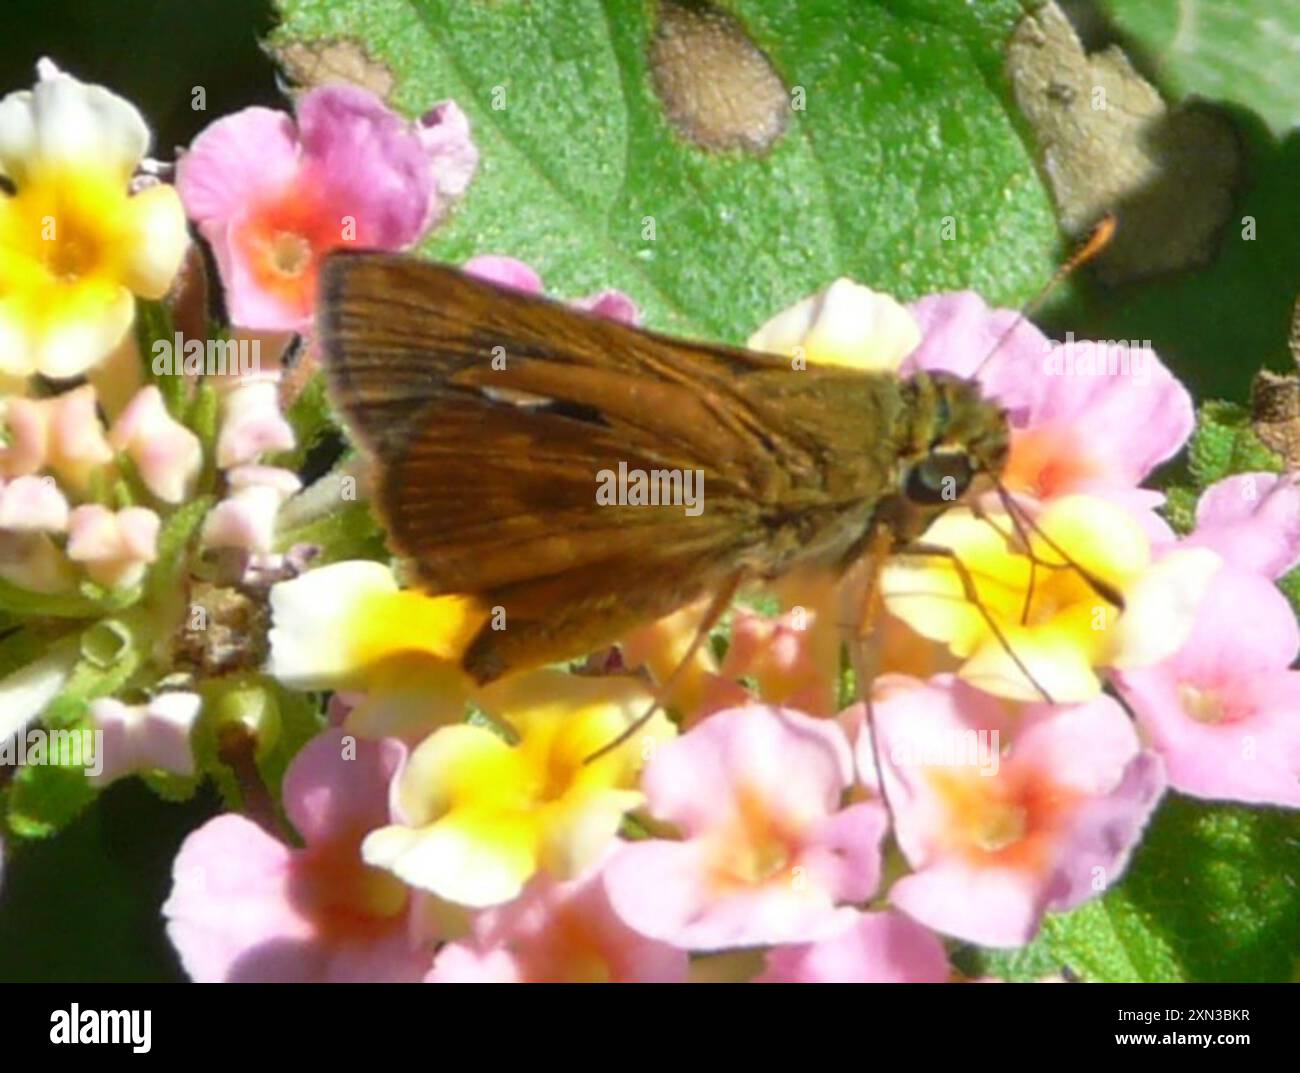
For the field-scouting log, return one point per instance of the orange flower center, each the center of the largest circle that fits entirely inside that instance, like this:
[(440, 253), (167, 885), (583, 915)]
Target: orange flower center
[(1006, 821), (345, 897), (1046, 462), (290, 254), (760, 849), (283, 239), (1203, 705)]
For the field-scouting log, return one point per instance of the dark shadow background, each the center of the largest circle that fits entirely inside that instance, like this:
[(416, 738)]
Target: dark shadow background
[(152, 52)]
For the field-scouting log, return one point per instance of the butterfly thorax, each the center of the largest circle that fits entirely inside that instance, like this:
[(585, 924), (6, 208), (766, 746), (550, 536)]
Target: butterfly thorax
[(952, 445)]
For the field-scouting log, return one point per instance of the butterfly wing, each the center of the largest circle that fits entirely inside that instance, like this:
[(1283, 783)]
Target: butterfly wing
[(493, 414)]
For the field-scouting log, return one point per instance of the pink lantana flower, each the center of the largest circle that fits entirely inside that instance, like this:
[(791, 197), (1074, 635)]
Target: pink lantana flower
[(32, 504), (509, 272), (1005, 814), (1224, 710), (62, 434), (767, 855), (252, 423), (877, 948), (559, 932), (789, 660), (31, 509), (167, 455), (145, 737), (1086, 417), (115, 548), (246, 907), (246, 518), (273, 198), (1253, 521)]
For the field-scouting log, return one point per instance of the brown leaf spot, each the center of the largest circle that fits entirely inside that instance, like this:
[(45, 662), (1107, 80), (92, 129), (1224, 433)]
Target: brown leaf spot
[(1109, 143), (316, 63), (1275, 405), (717, 87)]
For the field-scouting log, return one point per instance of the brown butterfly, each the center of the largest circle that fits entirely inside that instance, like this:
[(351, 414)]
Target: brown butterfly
[(491, 415)]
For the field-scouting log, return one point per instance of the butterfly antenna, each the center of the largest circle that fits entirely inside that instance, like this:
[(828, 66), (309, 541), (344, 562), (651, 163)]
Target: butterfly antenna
[(1097, 241)]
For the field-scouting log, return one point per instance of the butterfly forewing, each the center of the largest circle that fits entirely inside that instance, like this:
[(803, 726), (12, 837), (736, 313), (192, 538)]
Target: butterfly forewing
[(491, 414)]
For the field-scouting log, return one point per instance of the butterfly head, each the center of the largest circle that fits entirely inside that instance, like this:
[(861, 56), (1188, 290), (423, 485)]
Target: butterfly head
[(953, 447)]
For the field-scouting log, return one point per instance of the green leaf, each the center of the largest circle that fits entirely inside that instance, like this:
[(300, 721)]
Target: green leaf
[(46, 797), (1026, 964), (166, 577), (87, 601), (1224, 444), (1107, 941), (153, 323), (349, 531), (1210, 896), (905, 122), (312, 417), (1236, 51)]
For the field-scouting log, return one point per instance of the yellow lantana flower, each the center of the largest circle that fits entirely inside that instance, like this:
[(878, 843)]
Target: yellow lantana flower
[(1053, 622), (481, 815), (844, 324), (349, 626), (76, 245)]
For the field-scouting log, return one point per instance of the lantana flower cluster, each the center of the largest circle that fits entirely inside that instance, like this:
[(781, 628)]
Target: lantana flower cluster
[(170, 582)]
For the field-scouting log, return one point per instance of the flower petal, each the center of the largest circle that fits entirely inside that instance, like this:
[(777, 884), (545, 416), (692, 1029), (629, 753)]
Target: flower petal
[(1252, 520), (878, 948), (239, 159), (845, 324), (156, 240), (65, 123), (1160, 609)]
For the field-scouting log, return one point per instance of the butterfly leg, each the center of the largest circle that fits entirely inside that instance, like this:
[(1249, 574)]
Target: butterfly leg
[(865, 599), (717, 607), (972, 596)]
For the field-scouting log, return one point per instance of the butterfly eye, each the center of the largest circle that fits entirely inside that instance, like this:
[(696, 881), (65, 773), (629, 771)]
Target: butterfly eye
[(941, 477)]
